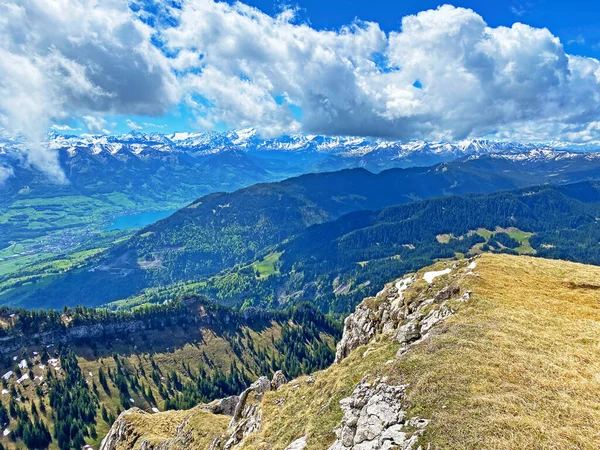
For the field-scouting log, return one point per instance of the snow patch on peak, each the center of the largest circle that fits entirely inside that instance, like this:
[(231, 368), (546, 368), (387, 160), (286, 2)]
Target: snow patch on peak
[(358, 151)]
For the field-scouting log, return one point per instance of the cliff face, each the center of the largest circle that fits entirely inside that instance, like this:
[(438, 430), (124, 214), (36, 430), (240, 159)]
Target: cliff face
[(406, 317), (10, 344), (195, 313)]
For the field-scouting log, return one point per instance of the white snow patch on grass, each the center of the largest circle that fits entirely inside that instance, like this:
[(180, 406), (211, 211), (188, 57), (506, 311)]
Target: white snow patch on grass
[(23, 378), (403, 284), (430, 276)]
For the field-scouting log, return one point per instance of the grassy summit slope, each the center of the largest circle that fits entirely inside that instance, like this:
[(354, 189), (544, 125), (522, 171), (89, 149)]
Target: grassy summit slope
[(201, 429), (515, 366), (518, 366)]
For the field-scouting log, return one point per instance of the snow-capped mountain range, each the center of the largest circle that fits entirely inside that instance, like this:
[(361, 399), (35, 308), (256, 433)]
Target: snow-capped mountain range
[(306, 153), (250, 141)]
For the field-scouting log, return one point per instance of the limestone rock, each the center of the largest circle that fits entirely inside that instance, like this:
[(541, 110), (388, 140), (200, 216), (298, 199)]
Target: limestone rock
[(259, 387), (298, 444), (374, 419), (247, 415), (408, 333), (374, 315), (433, 318), (278, 380), (448, 292), (389, 313), (226, 406)]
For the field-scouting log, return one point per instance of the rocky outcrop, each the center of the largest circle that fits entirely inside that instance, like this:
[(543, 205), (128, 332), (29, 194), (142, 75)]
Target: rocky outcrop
[(406, 320), (374, 418), (278, 380), (374, 315), (298, 444), (136, 429), (247, 416), (194, 313), (225, 406), (245, 410), (122, 431)]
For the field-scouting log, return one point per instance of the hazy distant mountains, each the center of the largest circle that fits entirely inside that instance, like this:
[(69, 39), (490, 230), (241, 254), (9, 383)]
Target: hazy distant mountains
[(113, 175), (247, 157), (291, 155)]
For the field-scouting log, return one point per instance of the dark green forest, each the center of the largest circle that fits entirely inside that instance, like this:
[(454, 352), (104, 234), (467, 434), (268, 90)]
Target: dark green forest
[(225, 231), (336, 264), (74, 402)]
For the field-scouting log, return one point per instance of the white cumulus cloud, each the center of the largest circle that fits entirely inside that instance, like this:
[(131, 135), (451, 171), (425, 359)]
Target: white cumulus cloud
[(59, 127), (95, 124), (473, 80), (133, 125), (66, 58)]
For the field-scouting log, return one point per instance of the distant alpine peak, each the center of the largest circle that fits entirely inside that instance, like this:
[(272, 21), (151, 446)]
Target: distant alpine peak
[(249, 140), (542, 155)]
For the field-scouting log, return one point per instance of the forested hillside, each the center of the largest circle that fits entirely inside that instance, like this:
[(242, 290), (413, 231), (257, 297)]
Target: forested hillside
[(68, 375), (227, 231), (336, 264), (369, 247)]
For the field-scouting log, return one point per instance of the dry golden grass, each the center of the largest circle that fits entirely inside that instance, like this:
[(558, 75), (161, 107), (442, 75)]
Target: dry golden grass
[(518, 366), (152, 429)]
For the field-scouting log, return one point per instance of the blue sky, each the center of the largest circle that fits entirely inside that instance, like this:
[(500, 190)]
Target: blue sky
[(413, 69)]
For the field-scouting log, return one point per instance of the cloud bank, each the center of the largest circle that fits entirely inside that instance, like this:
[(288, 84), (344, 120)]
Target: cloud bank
[(443, 75), (66, 58)]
